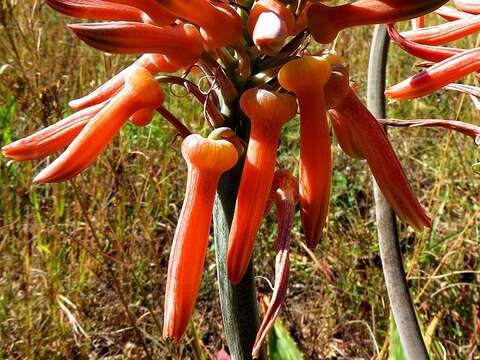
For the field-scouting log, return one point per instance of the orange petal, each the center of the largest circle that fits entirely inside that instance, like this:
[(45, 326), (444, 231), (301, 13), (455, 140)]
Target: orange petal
[(436, 76), (326, 22), (181, 44), (345, 136), (140, 91), (315, 167), (220, 24), (444, 33), (426, 52), (52, 138), (207, 159), (306, 77), (383, 162), (154, 63), (98, 10), (268, 111), (153, 8)]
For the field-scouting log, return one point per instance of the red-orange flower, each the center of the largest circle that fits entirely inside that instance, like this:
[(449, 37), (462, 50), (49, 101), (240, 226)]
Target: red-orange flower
[(268, 111), (207, 159), (306, 77), (140, 91), (325, 22)]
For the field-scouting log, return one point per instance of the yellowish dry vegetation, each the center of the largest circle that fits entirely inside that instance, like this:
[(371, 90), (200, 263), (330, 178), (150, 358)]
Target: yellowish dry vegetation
[(82, 264)]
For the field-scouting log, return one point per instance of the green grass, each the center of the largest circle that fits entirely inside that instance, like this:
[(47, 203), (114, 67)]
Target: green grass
[(73, 255)]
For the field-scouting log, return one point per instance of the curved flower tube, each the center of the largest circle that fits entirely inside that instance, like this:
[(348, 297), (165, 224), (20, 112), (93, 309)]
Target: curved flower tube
[(381, 159), (345, 136), (159, 15), (53, 138), (339, 81), (451, 14), (219, 24), (285, 195), (436, 76), (306, 78), (140, 91), (269, 24), (154, 63), (444, 33), (426, 52), (325, 22), (181, 44), (207, 159), (469, 6), (268, 111), (98, 10)]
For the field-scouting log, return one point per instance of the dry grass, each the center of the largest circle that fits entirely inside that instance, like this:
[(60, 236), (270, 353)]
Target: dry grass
[(82, 264)]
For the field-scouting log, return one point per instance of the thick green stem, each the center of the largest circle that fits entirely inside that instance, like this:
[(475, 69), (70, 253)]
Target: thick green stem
[(238, 303), (394, 274)]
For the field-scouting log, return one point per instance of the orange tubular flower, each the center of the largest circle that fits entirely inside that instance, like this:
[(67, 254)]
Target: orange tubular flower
[(140, 91), (444, 33), (152, 8), (345, 136), (326, 22), (451, 14), (269, 24), (98, 10), (219, 24), (154, 63), (207, 159), (181, 44), (306, 78), (469, 6), (268, 111), (436, 76), (53, 138), (381, 157), (426, 52)]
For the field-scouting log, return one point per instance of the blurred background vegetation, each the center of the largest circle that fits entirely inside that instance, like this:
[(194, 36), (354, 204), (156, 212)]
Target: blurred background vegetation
[(83, 264)]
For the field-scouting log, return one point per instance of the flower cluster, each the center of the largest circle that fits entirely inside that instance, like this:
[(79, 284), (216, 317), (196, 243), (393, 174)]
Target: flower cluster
[(254, 56)]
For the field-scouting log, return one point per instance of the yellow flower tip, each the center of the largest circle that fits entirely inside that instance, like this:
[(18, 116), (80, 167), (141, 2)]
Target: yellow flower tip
[(305, 74)]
